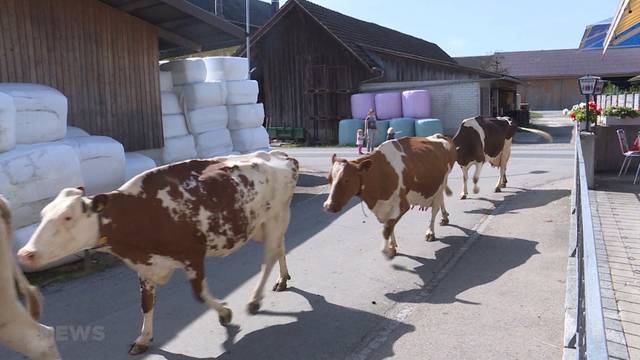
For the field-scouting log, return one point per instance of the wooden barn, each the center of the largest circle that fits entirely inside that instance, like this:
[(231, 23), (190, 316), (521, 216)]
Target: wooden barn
[(103, 55), (309, 60)]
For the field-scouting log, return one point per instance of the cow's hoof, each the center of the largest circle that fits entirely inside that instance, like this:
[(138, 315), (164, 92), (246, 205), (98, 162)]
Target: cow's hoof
[(476, 189), (444, 221), (463, 196), (225, 316), (253, 307), (281, 285), (389, 253), (498, 189), (430, 237), (137, 349)]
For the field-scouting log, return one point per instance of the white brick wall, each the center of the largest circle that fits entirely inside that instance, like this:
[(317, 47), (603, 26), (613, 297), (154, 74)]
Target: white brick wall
[(453, 103)]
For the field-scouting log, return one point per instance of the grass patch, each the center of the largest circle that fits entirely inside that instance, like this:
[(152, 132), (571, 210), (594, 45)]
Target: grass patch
[(534, 115)]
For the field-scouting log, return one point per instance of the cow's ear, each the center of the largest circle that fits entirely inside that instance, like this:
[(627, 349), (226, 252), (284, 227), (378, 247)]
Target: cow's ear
[(365, 165), (99, 202), (81, 188), (334, 158)]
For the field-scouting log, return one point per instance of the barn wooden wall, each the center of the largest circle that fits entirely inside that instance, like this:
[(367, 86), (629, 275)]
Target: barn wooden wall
[(403, 69), (104, 61), (551, 94), (288, 57)]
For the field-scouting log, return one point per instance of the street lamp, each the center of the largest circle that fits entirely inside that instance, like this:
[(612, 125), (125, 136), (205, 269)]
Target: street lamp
[(587, 88)]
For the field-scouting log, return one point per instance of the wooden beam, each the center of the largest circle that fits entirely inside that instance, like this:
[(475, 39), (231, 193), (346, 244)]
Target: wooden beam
[(178, 40), (206, 17), (138, 4)]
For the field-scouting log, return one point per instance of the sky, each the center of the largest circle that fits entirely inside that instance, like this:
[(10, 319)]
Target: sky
[(481, 27)]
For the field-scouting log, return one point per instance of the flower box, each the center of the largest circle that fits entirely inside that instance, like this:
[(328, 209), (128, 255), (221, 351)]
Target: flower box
[(617, 121)]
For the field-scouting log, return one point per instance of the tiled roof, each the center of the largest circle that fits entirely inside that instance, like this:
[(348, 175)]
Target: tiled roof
[(360, 36), (565, 62)]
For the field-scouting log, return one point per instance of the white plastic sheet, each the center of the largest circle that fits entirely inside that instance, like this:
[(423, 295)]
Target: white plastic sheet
[(214, 143), (73, 131), (179, 148), (221, 68), (101, 162), (174, 125), (166, 81), (170, 103), (245, 116), (7, 123), (41, 112), (207, 119), (135, 164), (250, 140), (32, 175), (242, 92), (186, 71), (202, 95)]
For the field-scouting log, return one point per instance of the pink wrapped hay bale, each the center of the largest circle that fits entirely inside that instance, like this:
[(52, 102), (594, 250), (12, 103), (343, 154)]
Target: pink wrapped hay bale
[(388, 106), (361, 103), (416, 104)]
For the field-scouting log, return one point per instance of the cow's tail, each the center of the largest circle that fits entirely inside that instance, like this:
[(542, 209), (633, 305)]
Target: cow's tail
[(543, 134), (30, 293)]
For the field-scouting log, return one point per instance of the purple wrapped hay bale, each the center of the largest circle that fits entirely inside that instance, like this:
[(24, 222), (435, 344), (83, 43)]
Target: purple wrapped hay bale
[(388, 105), (360, 105), (416, 104)]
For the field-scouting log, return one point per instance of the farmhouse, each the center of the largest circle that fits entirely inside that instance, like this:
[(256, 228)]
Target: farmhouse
[(309, 60)]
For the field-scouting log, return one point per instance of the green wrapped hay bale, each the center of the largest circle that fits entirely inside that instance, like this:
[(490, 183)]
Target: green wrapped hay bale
[(381, 135), (428, 127), (403, 127), (347, 129)]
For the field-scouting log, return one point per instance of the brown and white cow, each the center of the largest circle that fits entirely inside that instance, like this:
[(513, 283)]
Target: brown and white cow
[(400, 174), (19, 329), (480, 140), (172, 217)]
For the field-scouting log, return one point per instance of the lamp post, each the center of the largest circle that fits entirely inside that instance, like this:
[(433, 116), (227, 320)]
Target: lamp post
[(587, 87)]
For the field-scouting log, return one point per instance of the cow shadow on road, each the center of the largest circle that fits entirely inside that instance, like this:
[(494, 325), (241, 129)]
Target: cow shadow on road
[(535, 198), (327, 331), (487, 260)]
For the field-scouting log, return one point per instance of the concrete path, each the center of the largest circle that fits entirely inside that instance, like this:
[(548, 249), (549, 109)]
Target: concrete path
[(491, 288)]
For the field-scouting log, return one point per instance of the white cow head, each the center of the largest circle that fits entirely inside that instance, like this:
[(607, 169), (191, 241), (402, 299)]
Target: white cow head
[(69, 224)]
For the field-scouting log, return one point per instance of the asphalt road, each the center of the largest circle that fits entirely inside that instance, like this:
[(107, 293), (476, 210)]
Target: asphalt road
[(491, 288)]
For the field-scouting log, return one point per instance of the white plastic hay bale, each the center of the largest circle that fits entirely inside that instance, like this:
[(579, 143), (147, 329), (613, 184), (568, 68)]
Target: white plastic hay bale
[(202, 95), (101, 162), (207, 119), (170, 103), (135, 164), (179, 148), (41, 112), (166, 81), (73, 131), (174, 125), (224, 68), (250, 140), (186, 71), (7, 123), (214, 143), (21, 237), (32, 175), (242, 92), (245, 116)]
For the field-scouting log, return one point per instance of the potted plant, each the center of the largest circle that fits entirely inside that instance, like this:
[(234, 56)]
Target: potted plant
[(620, 115), (578, 113)]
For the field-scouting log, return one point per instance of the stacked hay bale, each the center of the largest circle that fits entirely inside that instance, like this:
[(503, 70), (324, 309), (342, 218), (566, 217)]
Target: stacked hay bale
[(178, 143), (204, 107), (245, 114), (39, 157)]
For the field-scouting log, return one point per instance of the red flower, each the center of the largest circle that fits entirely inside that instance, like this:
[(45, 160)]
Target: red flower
[(573, 115)]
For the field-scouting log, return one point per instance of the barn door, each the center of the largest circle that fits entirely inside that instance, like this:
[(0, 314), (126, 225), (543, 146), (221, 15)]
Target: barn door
[(327, 91)]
